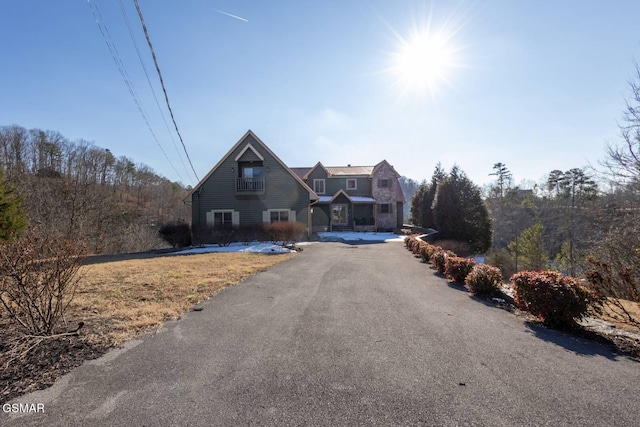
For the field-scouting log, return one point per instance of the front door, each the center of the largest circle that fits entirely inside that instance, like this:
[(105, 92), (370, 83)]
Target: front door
[(339, 214)]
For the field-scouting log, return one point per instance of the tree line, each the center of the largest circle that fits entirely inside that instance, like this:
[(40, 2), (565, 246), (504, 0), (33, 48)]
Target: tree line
[(77, 188), (583, 222)]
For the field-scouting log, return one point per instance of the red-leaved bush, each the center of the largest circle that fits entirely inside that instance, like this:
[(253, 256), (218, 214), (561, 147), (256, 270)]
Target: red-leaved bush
[(556, 299), (439, 258), (426, 252), (484, 279), (457, 268)]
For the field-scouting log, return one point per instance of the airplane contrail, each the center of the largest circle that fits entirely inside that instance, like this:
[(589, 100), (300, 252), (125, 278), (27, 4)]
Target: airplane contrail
[(233, 16)]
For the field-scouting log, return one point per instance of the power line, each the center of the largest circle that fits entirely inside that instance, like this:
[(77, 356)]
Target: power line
[(166, 97), (104, 31), (144, 68)]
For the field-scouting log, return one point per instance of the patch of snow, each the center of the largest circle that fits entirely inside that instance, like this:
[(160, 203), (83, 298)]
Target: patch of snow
[(361, 199), (354, 236), (255, 247)]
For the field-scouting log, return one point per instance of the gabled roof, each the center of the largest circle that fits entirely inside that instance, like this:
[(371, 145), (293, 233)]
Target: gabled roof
[(339, 171), (318, 165), (352, 199), (312, 194), (249, 147), (301, 172), (349, 170)]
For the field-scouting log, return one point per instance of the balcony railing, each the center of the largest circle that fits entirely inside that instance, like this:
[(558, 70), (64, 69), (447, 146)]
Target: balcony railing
[(249, 185)]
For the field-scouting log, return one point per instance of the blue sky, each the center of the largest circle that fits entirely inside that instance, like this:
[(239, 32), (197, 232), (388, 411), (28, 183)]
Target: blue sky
[(538, 85)]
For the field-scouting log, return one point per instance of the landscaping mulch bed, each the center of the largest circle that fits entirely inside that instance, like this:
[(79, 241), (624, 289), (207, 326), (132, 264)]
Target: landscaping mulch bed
[(29, 365)]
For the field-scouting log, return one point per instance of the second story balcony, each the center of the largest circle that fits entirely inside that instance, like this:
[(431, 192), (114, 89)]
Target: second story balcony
[(249, 186)]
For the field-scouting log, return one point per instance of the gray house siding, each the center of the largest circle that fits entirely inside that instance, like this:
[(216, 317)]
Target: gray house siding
[(363, 185), (281, 190), (320, 218), (334, 184)]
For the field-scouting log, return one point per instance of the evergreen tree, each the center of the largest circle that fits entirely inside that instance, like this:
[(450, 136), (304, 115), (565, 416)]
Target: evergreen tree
[(421, 212), (12, 217), (460, 213), (528, 249)]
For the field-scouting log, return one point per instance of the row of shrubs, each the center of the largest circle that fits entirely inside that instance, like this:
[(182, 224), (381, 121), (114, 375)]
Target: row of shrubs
[(180, 234), (558, 300)]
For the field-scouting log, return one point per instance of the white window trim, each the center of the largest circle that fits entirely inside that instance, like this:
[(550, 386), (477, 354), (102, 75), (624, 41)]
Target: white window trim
[(355, 184), (324, 186), (249, 147), (235, 216), (266, 215)]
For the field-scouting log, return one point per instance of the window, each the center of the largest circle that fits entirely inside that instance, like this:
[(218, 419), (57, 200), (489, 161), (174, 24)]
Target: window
[(385, 208), (223, 218), (318, 186), (252, 172), (383, 183), (279, 216), (352, 184), (250, 177)]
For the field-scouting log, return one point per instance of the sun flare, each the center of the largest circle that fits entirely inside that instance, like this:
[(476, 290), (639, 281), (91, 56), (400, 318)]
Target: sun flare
[(425, 61)]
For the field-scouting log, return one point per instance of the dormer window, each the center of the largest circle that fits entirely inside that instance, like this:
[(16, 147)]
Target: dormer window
[(352, 184)]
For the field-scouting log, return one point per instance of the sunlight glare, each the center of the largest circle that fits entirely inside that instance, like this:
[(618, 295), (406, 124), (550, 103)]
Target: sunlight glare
[(427, 57), (424, 61)]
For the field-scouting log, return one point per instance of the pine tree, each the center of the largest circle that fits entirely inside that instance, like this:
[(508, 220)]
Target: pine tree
[(528, 249), (460, 213), (12, 217), (421, 211)]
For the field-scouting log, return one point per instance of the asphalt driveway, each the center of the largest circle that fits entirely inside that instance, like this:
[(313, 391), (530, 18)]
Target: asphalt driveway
[(346, 335)]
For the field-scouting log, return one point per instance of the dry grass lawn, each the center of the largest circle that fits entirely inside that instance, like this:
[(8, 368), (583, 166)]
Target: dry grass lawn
[(118, 300)]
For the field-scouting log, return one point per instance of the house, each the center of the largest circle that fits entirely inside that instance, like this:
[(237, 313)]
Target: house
[(251, 185)]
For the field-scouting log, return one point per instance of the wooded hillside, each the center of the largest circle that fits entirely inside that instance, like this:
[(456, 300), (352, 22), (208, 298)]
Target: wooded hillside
[(78, 188)]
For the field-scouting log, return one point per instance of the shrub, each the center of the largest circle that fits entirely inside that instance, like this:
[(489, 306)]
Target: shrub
[(38, 279), (556, 299), (426, 252), (201, 234), (411, 242), (176, 233), (286, 233), (416, 247), (439, 258), (407, 241), (484, 280), (458, 268), (223, 234), (247, 233), (462, 249)]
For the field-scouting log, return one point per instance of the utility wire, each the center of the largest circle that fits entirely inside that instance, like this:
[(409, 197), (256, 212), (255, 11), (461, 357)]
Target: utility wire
[(166, 97), (155, 97), (104, 31)]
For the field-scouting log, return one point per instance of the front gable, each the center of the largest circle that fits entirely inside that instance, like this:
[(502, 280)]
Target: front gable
[(249, 154), (247, 151)]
